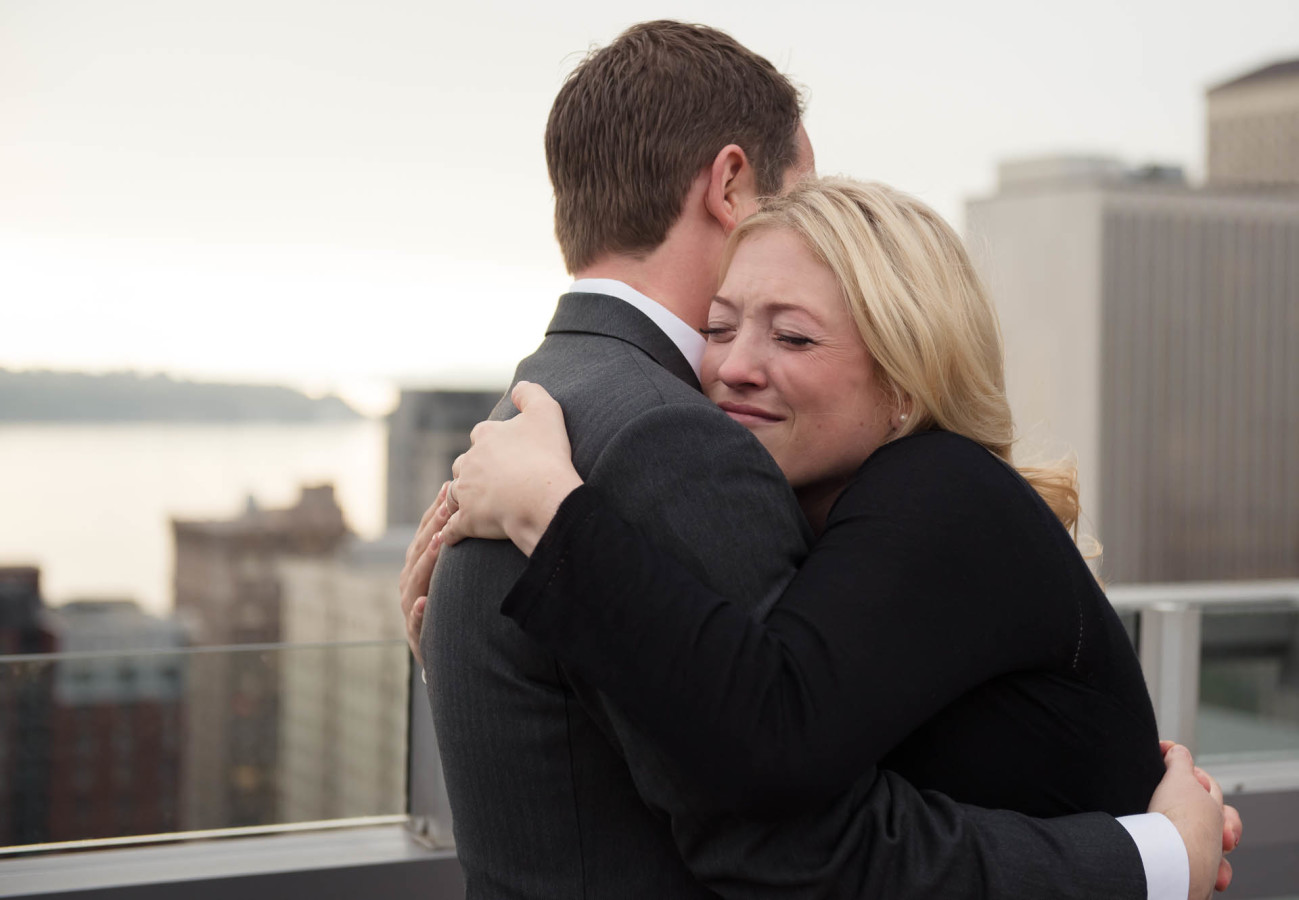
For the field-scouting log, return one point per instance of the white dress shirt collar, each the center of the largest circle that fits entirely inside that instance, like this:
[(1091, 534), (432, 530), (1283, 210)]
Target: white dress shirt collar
[(689, 341)]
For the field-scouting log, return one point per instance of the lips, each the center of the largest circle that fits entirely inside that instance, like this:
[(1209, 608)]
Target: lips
[(749, 415)]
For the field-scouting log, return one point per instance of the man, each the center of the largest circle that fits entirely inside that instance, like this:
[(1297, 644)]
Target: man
[(657, 146)]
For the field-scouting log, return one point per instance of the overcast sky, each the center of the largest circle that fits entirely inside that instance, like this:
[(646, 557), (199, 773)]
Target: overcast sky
[(348, 195)]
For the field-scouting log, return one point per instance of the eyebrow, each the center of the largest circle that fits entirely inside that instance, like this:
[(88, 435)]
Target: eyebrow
[(776, 306)]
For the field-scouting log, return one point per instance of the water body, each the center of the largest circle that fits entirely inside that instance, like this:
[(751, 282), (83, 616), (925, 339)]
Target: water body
[(91, 504)]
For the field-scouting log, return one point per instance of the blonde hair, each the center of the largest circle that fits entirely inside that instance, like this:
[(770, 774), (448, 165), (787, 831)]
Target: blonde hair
[(921, 311)]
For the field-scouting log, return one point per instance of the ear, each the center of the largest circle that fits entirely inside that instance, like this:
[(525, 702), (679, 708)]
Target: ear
[(900, 410), (732, 192)]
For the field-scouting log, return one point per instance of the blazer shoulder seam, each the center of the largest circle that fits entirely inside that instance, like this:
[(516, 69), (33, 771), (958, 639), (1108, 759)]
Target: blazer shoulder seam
[(639, 358)]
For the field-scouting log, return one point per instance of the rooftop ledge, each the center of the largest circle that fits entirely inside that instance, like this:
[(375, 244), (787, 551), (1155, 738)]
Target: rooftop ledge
[(381, 861)]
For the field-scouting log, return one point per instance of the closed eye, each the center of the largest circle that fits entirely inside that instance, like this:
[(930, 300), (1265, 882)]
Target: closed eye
[(719, 333), (795, 340)]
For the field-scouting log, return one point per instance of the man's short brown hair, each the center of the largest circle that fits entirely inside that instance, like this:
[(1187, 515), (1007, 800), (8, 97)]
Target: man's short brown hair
[(637, 120)]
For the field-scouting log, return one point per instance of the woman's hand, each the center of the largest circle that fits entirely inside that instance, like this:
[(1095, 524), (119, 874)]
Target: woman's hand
[(515, 474), (508, 485), (421, 557)]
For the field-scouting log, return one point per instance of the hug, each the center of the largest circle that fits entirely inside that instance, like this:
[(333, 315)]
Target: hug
[(758, 603)]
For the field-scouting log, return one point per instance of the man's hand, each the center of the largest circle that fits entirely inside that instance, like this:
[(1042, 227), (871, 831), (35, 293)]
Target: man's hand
[(1192, 801), (421, 556), (1232, 829)]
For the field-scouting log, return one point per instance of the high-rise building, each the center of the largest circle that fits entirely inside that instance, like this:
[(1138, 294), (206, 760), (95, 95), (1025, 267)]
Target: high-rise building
[(1153, 329), (229, 591), (26, 699), (90, 720), (1253, 132), (116, 722), (426, 432), (343, 673), (343, 684)]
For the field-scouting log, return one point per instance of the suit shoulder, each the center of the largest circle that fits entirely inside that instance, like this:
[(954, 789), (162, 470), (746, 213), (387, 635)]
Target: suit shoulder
[(595, 370)]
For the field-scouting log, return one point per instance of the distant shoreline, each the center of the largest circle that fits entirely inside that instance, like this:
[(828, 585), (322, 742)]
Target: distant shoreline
[(46, 397)]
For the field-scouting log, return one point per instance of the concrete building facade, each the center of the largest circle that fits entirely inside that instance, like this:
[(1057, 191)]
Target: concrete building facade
[(228, 590), (1253, 129), (343, 684), (1153, 329)]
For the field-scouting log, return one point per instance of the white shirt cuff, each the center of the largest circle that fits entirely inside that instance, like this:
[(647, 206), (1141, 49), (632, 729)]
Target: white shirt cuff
[(1163, 854)]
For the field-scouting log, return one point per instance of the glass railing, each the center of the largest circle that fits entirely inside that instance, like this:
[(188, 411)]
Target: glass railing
[(1222, 664), (99, 749), (123, 746), (145, 746), (1249, 681)]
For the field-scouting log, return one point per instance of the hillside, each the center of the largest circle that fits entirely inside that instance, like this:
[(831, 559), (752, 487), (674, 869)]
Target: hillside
[(40, 396)]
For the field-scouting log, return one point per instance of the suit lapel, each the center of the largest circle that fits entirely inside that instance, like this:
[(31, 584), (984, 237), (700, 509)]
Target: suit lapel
[(610, 317)]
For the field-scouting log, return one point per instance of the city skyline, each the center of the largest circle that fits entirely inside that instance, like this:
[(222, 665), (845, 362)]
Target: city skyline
[(304, 202)]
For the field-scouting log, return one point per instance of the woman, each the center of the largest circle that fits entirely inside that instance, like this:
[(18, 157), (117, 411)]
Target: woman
[(944, 624)]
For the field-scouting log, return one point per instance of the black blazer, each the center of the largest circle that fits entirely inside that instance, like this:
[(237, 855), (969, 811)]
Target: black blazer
[(944, 627), (553, 792)]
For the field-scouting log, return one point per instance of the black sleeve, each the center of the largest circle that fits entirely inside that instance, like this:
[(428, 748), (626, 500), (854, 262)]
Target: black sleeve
[(922, 586)]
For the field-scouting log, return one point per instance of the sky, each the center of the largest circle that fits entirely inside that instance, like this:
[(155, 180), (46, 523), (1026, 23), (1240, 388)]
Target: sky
[(351, 196)]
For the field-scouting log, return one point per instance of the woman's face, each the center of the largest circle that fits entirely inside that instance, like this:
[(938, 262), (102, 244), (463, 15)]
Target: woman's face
[(785, 360)]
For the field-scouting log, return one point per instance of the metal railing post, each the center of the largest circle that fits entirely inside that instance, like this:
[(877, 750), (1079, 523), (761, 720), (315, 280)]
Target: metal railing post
[(430, 811), (1170, 659)]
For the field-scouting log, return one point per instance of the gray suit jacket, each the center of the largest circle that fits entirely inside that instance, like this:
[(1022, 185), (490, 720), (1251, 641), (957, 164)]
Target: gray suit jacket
[(556, 795)]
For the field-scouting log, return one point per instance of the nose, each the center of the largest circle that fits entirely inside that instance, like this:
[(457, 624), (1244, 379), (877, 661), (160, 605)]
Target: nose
[(742, 363)]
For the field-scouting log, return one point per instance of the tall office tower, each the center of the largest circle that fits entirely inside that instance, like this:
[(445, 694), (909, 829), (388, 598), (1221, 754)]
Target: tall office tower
[(228, 590), (343, 707), (26, 702), (1254, 129), (115, 722), (1153, 329), (426, 432)]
